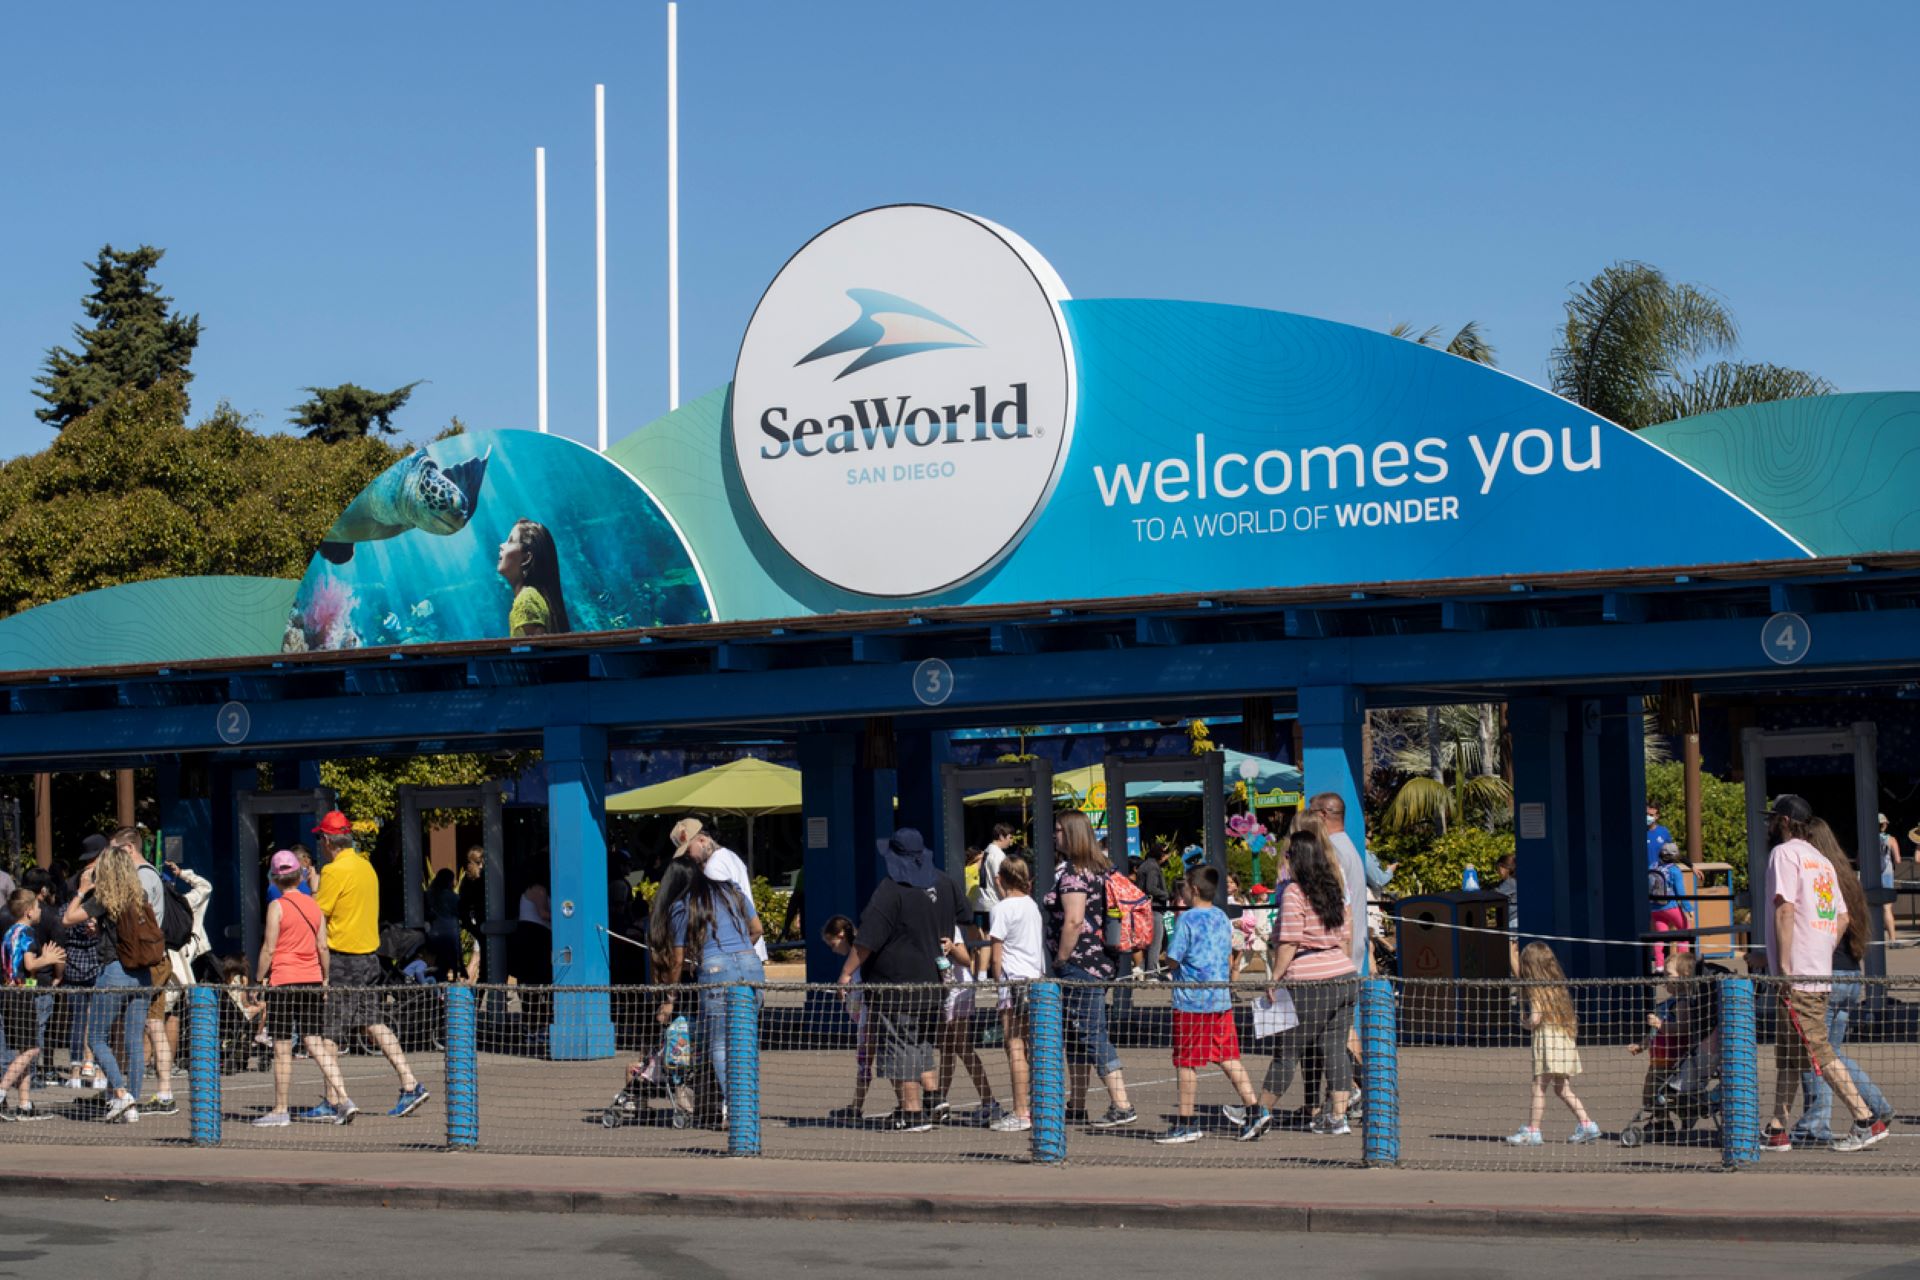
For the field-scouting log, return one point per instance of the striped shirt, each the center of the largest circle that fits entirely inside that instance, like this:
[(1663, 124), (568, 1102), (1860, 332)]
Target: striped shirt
[(1322, 951)]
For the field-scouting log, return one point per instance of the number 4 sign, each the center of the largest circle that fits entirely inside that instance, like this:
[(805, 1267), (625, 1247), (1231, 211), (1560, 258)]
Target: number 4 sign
[(1785, 638)]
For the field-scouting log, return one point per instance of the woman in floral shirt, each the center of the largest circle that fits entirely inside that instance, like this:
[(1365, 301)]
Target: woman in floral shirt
[(1076, 910)]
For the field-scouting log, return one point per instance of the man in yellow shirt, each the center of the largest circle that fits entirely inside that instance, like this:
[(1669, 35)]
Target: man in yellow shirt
[(349, 897)]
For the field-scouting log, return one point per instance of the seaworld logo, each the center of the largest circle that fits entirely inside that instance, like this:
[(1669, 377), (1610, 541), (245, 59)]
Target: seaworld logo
[(889, 327), (983, 309)]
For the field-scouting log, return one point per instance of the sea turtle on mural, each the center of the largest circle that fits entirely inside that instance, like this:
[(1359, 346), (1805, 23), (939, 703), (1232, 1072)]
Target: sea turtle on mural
[(414, 493)]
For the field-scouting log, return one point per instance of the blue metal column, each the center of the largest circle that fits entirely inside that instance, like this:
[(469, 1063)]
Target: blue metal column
[(576, 760), (1332, 720), (826, 801), (921, 752), (463, 1070), (1543, 816), (1380, 1072), (876, 781), (203, 1070), (1047, 1052), (1739, 1074), (1617, 862)]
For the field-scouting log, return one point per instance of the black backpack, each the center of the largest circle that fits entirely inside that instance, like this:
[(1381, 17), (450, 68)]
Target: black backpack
[(178, 926)]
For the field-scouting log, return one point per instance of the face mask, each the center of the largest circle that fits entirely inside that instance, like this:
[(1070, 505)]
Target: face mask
[(1651, 819)]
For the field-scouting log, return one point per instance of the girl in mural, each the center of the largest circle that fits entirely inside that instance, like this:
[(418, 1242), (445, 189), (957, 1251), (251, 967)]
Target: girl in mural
[(531, 565)]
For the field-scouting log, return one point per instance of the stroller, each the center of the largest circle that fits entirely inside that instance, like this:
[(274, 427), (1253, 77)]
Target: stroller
[(1690, 1092), (667, 1072)]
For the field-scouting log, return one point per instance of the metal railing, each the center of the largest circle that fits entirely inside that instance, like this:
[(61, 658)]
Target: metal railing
[(1444, 1073)]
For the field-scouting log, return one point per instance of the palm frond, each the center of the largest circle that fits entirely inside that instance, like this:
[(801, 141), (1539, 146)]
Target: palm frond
[(1489, 794), (1728, 384), (1471, 344), (1419, 800)]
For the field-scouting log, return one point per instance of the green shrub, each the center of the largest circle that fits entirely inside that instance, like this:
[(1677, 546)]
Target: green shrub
[(1723, 814), (1433, 864)]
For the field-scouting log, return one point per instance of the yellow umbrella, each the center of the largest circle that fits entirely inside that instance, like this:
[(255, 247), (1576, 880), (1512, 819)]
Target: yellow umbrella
[(1079, 781), (741, 789)]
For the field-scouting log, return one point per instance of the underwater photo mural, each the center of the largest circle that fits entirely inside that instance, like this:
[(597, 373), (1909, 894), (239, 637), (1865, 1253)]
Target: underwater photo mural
[(495, 534)]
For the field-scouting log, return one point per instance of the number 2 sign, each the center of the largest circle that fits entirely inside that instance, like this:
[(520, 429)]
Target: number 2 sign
[(233, 722)]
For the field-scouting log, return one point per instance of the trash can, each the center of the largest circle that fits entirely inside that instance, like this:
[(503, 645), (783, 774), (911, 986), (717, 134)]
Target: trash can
[(1453, 950), (1711, 884)]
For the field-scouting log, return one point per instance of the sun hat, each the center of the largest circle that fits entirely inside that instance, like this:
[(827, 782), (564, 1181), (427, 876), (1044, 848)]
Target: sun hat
[(907, 859)]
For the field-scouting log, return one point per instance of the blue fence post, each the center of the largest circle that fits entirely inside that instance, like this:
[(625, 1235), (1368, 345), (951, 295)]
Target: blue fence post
[(1047, 1065), (1739, 1074), (463, 1071), (743, 1070), (1380, 1072), (203, 1040)]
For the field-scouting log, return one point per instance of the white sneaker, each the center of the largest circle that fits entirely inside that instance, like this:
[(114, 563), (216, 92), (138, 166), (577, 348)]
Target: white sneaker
[(1588, 1132), (1011, 1123), (272, 1120), (1234, 1114), (122, 1108)]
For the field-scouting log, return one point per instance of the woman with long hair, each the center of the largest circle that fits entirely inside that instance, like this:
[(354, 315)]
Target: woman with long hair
[(703, 929), (1815, 1125), (531, 565), (110, 895), (1308, 951), (1076, 912)]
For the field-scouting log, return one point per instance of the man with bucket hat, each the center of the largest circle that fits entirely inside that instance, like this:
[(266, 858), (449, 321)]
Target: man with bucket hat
[(908, 928), (349, 897)]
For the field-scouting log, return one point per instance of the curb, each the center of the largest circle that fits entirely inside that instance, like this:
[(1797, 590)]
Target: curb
[(1374, 1219)]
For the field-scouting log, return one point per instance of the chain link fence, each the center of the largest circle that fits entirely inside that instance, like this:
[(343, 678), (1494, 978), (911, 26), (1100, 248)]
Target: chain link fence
[(1629, 1075)]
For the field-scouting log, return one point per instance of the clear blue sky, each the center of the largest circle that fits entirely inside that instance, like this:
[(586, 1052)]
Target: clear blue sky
[(345, 191)]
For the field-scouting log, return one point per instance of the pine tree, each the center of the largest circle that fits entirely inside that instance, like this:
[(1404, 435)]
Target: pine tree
[(348, 411), (133, 340)]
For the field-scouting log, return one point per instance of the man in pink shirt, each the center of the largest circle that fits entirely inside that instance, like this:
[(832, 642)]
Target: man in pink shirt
[(1807, 919)]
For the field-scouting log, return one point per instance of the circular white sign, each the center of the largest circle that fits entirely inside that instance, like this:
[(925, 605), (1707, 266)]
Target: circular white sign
[(904, 399), (933, 682), (1785, 638), (1249, 769), (233, 722)]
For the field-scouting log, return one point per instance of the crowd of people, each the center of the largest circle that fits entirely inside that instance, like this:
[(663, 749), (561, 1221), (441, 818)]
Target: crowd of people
[(112, 954)]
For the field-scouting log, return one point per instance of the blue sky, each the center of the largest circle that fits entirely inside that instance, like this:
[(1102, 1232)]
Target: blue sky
[(345, 191)]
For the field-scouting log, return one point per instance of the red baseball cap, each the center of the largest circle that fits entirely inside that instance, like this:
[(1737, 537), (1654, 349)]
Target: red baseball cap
[(334, 824)]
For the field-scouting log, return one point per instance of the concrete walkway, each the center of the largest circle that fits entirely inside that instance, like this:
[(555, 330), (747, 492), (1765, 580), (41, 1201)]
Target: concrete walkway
[(1767, 1205)]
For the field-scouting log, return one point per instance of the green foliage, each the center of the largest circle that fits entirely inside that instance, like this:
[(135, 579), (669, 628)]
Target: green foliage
[(1468, 342), (349, 411), (1433, 864), (367, 786), (1632, 338), (1723, 814), (770, 904), (129, 492), (133, 340)]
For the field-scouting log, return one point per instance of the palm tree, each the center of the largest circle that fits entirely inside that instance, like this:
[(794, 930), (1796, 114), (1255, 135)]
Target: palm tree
[(1448, 758), (1467, 342), (1632, 346)]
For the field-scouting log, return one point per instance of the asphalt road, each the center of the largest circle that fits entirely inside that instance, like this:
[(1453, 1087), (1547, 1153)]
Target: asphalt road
[(95, 1237)]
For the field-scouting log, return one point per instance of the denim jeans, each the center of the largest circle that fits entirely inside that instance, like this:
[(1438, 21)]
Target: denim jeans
[(1086, 1015), (118, 993), (719, 971), (79, 1001), (1816, 1118)]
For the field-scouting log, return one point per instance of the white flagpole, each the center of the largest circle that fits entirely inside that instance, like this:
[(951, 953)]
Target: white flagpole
[(673, 205), (540, 268), (600, 243)]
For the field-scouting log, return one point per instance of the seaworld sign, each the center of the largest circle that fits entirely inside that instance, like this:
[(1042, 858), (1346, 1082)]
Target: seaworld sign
[(908, 370), (921, 413)]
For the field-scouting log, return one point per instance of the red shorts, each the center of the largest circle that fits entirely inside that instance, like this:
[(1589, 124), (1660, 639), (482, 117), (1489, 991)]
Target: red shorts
[(1202, 1039)]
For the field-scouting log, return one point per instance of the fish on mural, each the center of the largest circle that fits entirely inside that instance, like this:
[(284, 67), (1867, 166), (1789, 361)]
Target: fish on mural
[(414, 493)]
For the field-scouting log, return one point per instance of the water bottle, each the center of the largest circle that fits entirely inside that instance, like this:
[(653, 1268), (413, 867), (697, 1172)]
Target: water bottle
[(1470, 881)]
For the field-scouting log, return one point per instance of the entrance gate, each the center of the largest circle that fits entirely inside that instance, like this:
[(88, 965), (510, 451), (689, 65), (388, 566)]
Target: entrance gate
[(1209, 770), (486, 797), (956, 780), (1860, 741), (248, 808)]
